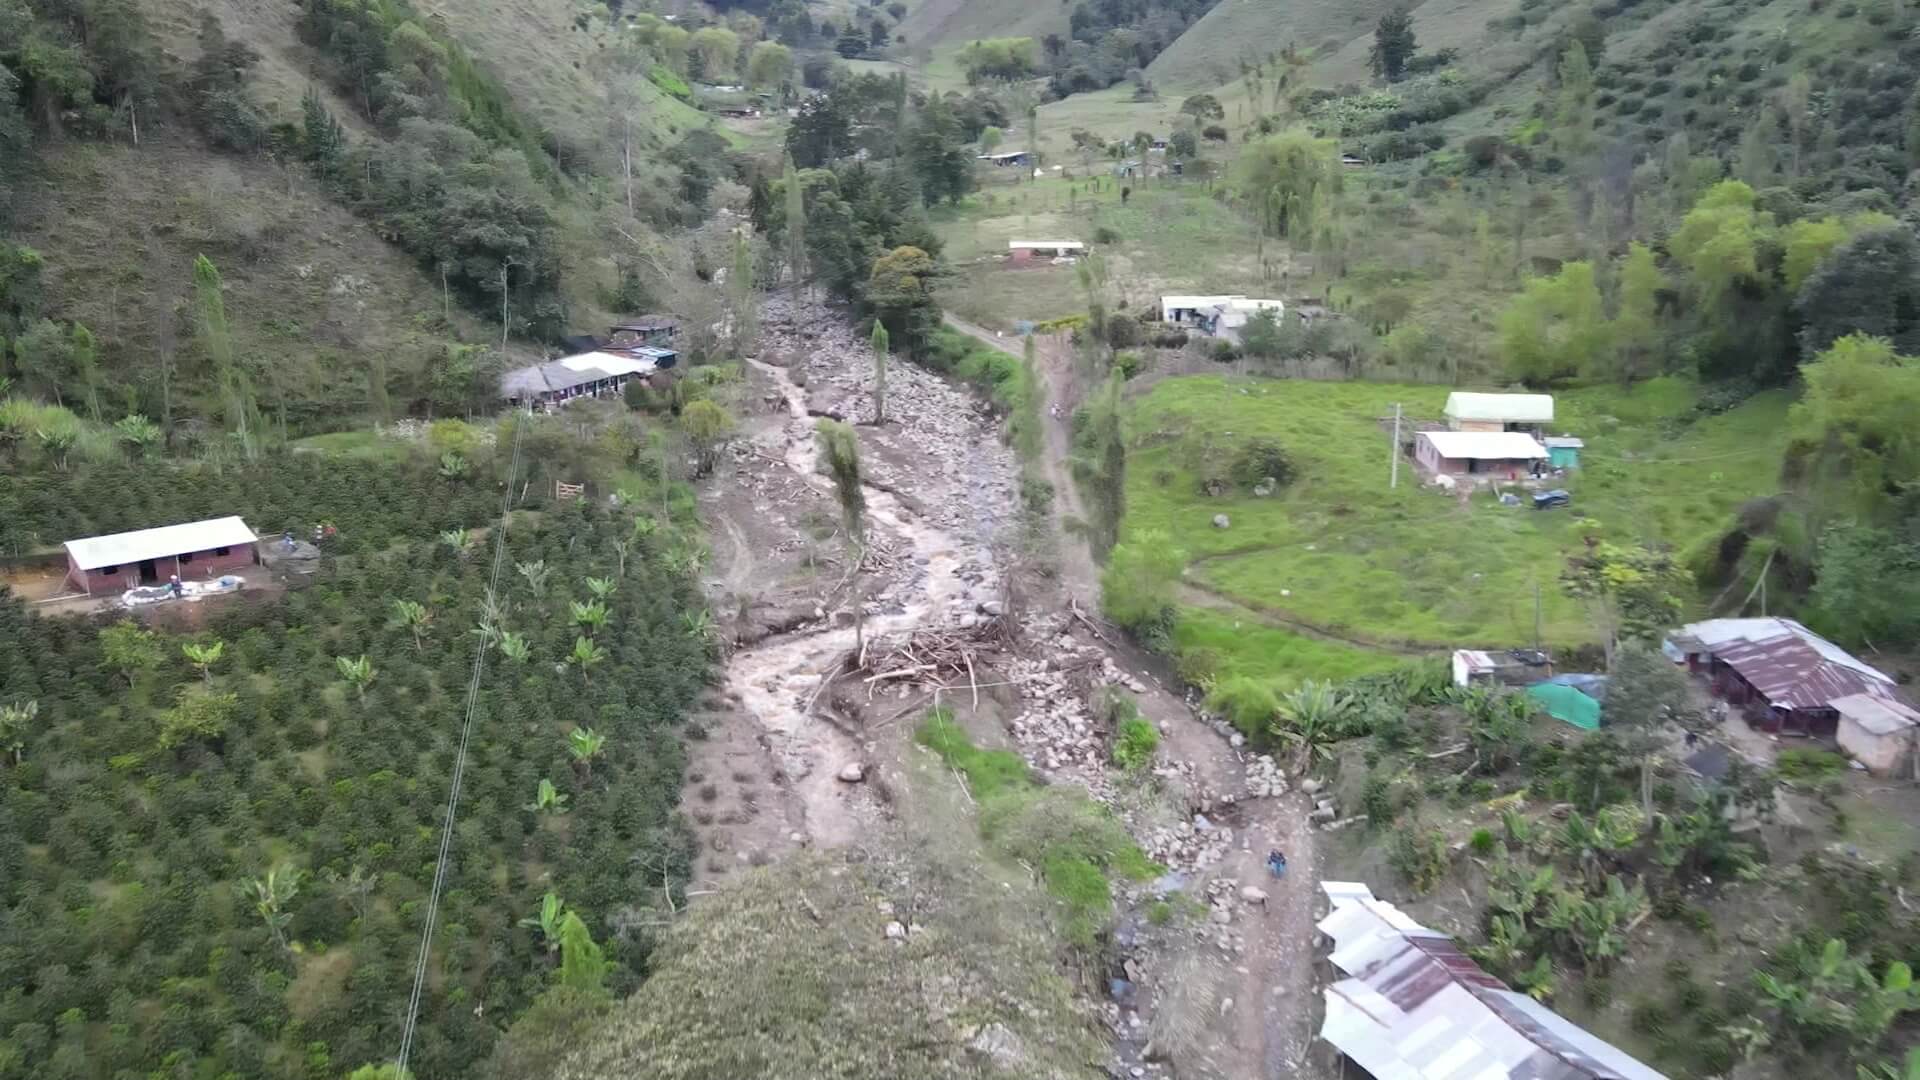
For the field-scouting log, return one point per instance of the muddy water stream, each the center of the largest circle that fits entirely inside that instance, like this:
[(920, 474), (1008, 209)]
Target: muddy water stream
[(777, 679)]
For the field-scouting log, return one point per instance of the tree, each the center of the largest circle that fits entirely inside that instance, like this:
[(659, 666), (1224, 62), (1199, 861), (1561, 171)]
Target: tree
[(413, 616), (1557, 328), (1100, 463), (536, 574), (1203, 107), (1719, 242), (239, 410), (604, 588), (271, 897), (586, 656), (795, 225), (15, 720), (1573, 105), (130, 649), (1635, 591), (1284, 176), (770, 64), (997, 58), (582, 964), (357, 672), (990, 138), (718, 51), (1393, 44), (879, 340), (744, 301), (936, 150), (1866, 585), (198, 714), (1138, 586), (1645, 694), (840, 450), (1635, 330), (1852, 445), (514, 647), (900, 289), (708, 428), (204, 657), (586, 745), (1869, 284)]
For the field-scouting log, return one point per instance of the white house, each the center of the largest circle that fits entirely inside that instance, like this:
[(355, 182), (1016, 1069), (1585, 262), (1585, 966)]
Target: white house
[(1499, 412)]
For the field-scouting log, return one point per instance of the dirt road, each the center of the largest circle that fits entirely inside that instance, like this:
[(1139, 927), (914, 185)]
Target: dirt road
[(1267, 1003)]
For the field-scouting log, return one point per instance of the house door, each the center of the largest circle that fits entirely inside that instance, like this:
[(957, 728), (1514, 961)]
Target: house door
[(149, 574)]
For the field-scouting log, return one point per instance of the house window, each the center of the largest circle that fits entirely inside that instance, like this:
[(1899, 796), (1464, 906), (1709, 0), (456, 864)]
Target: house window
[(222, 551), (108, 571), (187, 558)]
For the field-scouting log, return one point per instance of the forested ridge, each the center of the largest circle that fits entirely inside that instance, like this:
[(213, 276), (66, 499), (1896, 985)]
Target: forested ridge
[(215, 846)]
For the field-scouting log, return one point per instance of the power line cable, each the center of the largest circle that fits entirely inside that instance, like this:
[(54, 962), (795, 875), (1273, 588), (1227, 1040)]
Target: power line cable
[(412, 1022)]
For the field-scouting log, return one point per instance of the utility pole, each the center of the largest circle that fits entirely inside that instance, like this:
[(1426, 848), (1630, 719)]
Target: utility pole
[(1536, 615), (1393, 475)]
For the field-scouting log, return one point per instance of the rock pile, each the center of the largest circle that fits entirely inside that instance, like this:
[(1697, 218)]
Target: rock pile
[(1192, 844), (1264, 778)]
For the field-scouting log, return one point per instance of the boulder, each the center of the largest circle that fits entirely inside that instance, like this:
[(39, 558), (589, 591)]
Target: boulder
[(1252, 894), (896, 930), (853, 772), (1221, 521), (1311, 786)]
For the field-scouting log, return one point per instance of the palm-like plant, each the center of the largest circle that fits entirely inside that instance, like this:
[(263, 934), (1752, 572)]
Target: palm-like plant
[(622, 547), (536, 573), (1311, 718), (58, 442), (204, 657), (586, 745), (586, 656), (14, 721), (414, 616), (139, 434), (547, 922), (514, 647), (357, 671), (697, 624), (453, 466), (591, 615), (548, 799), (457, 539), (271, 896), (601, 587)]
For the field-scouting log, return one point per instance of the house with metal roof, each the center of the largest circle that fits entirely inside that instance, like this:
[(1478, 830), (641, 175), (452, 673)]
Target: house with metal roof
[(1530, 413), (1781, 675), (190, 550), (1414, 1006), (1500, 455), (602, 372)]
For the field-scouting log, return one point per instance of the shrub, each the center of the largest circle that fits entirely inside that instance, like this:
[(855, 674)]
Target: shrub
[(1248, 704), (1214, 133), (1419, 856), (1134, 746), (1159, 913), (1809, 765), (1106, 234), (1170, 339), (1128, 363), (1261, 460), (1482, 842)]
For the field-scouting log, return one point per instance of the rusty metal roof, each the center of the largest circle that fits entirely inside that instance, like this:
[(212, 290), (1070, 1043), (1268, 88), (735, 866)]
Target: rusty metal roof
[(1418, 1008), (1791, 673)]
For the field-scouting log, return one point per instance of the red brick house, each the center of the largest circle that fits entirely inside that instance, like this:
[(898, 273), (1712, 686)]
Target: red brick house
[(193, 550)]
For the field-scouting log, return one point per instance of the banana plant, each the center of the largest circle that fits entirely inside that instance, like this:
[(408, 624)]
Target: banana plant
[(514, 647), (548, 799), (204, 657), (586, 656), (415, 618), (271, 896), (453, 466), (357, 671), (457, 539), (14, 722), (601, 587), (586, 745), (591, 615), (547, 922), (697, 624)]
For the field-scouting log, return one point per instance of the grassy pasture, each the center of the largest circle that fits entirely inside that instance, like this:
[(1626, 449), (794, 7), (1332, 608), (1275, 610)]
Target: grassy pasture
[(1412, 567)]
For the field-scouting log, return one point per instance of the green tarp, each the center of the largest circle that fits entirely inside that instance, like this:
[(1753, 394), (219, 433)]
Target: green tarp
[(1568, 704)]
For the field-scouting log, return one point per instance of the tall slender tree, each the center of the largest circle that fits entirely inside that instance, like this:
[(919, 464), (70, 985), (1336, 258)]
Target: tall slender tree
[(840, 447), (796, 228), (879, 372), (239, 409)]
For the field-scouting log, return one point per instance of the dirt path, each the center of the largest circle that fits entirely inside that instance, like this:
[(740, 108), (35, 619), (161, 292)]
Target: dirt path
[(1267, 987)]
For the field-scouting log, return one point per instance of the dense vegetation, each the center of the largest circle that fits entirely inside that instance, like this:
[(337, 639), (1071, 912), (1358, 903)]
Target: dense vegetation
[(217, 844)]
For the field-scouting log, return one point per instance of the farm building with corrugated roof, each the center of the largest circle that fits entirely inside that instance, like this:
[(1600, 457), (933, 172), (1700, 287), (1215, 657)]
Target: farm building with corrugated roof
[(1781, 675), (189, 550), (1414, 1006)]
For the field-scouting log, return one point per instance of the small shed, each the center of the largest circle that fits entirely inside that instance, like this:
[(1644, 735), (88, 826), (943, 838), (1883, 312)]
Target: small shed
[(1563, 451), (645, 330), (193, 549), (1005, 158), (1878, 731), (1530, 413), (1478, 453)]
